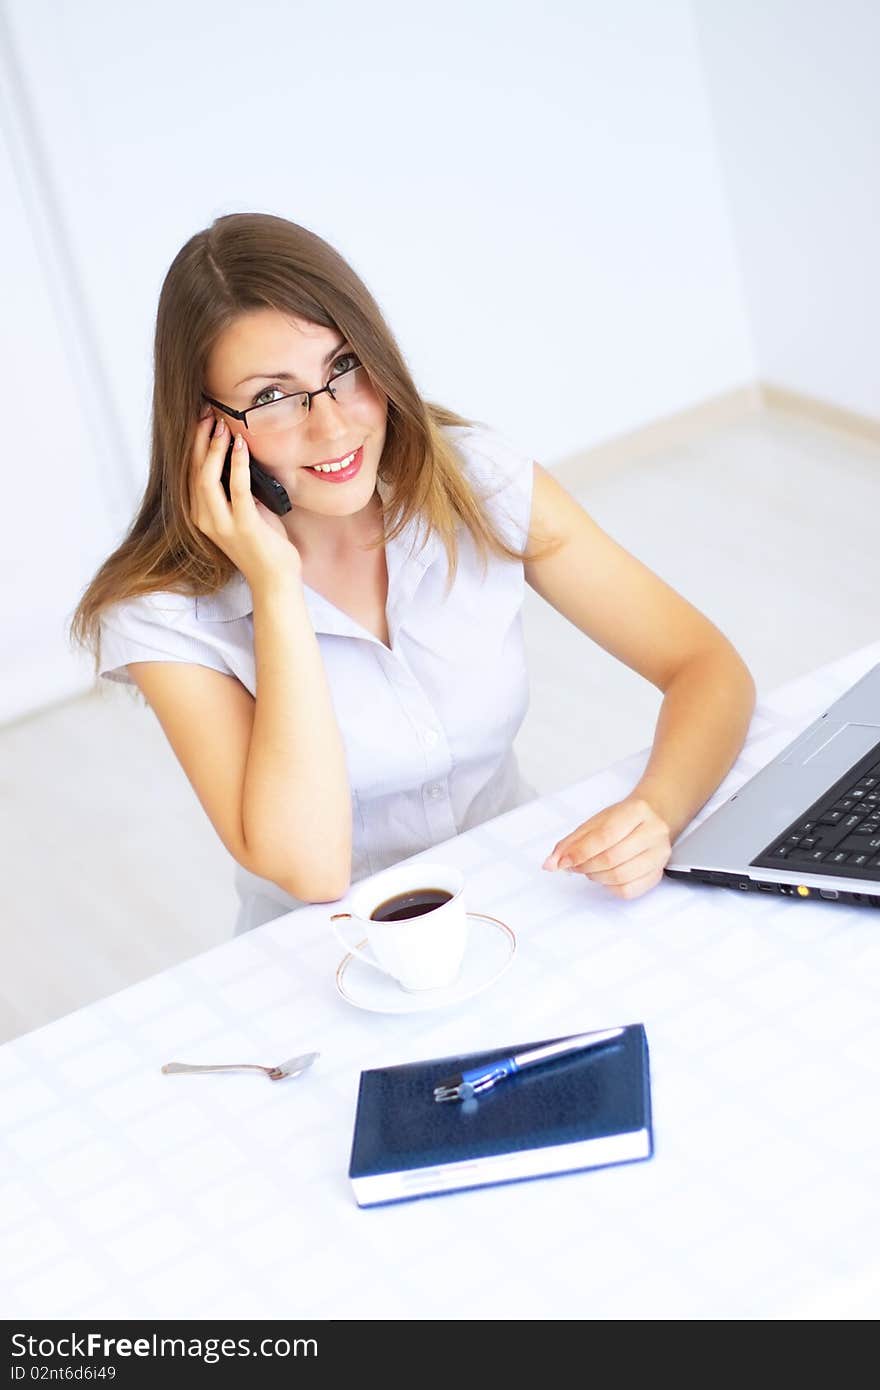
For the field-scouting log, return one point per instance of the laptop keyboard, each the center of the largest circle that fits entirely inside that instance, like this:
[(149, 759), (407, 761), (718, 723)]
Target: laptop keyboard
[(839, 834)]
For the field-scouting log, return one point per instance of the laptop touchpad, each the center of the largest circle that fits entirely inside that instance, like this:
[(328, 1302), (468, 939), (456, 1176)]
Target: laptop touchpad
[(838, 748)]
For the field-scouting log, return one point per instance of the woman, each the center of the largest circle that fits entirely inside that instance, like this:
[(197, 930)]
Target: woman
[(342, 681)]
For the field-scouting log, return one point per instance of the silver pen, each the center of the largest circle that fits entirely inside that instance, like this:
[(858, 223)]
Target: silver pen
[(478, 1079)]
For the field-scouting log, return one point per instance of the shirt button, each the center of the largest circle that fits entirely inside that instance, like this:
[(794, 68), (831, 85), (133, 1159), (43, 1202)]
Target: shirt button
[(435, 791), (430, 736)]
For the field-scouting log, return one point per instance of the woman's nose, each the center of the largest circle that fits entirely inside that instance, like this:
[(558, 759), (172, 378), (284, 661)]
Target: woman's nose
[(326, 420)]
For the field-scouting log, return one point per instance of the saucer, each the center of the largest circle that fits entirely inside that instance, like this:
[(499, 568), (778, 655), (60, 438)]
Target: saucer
[(490, 951)]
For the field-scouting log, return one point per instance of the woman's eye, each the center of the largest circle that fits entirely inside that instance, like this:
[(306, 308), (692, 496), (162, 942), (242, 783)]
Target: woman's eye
[(345, 363), (258, 399)]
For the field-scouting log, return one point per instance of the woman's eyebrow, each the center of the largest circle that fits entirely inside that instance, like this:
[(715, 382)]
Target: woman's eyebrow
[(288, 376)]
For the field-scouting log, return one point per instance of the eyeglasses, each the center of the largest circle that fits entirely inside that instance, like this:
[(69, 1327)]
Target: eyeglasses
[(273, 417)]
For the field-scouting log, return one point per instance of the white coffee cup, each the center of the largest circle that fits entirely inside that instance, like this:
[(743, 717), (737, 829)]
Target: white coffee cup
[(420, 952)]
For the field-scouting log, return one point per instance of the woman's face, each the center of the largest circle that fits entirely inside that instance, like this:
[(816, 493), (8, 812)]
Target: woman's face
[(265, 354)]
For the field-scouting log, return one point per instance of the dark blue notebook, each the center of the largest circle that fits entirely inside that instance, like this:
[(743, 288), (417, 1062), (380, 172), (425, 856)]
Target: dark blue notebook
[(582, 1111)]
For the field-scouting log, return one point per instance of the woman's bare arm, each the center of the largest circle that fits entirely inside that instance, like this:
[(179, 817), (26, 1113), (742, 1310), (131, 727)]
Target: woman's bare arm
[(270, 772)]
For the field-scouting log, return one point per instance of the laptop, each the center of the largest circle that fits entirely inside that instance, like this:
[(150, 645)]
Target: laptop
[(808, 824)]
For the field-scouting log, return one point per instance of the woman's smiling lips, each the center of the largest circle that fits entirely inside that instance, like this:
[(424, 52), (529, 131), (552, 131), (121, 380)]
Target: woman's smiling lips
[(338, 470)]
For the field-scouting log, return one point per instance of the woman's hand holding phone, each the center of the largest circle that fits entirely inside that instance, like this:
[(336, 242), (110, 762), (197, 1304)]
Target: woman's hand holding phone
[(244, 529)]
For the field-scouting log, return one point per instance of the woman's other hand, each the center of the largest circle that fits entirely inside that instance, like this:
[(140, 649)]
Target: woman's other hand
[(625, 847)]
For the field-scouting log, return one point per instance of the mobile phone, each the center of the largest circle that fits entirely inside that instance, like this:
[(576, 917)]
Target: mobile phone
[(266, 490)]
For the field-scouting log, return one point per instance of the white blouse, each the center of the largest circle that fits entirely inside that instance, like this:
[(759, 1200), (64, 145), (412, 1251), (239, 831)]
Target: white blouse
[(427, 725)]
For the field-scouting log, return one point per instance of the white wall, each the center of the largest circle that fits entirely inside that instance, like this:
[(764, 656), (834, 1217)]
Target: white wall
[(62, 500), (796, 102), (533, 195)]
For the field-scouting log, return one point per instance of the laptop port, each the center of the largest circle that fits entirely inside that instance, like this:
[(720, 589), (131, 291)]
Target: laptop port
[(768, 887), (829, 894)]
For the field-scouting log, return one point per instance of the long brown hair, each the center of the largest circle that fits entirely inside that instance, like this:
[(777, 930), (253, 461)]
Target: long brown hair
[(241, 262)]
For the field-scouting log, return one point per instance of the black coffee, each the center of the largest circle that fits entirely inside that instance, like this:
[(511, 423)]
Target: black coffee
[(412, 904)]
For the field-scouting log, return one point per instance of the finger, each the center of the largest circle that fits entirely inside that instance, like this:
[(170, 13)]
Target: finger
[(212, 464), (219, 443), (638, 885), (214, 510), (642, 838), (623, 820), (631, 869), (240, 477), (204, 431), (211, 440), (597, 834), (567, 843), (201, 444), (201, 441)]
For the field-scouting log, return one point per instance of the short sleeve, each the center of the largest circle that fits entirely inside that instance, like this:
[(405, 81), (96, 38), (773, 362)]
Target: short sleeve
[(153, 627), (504, 478)]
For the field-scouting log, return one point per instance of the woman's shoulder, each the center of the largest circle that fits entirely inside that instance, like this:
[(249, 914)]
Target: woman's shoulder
[(184, 612), (171, 626), (165, 608)]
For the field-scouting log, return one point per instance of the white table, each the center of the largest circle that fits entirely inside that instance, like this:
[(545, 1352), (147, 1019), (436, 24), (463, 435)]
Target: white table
[(126, 1193)]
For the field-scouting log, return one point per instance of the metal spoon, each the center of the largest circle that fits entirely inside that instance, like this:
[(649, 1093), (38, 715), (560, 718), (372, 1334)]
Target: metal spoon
[(294, 1067)]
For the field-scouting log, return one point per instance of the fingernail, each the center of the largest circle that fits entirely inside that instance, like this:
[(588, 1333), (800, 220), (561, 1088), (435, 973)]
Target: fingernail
[(239, 442), (547, 864)]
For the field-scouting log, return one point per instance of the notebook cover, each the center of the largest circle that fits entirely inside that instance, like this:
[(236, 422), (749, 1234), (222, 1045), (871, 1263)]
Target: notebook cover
[(592, 1095)]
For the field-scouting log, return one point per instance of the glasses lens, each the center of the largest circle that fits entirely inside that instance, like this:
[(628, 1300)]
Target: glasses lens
[(348, 384), (292, 410), (278, 416)]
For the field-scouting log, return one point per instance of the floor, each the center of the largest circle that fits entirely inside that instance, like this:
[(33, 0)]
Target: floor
[(111, 869)]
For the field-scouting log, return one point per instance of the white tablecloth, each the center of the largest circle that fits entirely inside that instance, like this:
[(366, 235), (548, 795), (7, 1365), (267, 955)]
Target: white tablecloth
[(127, 1193)]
